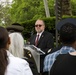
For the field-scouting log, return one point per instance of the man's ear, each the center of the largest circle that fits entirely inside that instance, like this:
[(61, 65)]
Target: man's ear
[(9, 41)]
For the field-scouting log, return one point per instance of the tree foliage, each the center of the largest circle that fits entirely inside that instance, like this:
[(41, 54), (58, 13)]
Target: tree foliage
[(23, 10), (4, 15), (73, 6)]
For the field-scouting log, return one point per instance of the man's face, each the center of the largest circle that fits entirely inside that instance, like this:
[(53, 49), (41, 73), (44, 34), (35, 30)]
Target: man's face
[(39, 26)]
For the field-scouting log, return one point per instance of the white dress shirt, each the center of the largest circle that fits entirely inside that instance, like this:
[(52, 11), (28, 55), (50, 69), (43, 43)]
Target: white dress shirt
[(17, 66), (40, 34)]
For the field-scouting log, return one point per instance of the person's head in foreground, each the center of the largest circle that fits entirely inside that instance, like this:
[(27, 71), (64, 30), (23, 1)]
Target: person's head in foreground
[(4, 44), (10, 65), (67, 32), (17, 44)]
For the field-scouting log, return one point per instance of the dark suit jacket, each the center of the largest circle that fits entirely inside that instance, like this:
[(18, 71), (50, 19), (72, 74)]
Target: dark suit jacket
[(45, 42)]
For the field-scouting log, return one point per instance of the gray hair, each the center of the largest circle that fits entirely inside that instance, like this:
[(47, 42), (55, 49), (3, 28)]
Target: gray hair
[(17, 44)]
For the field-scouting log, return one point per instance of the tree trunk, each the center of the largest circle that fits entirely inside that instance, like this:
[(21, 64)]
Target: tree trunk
[(46, 8), (66, 7)]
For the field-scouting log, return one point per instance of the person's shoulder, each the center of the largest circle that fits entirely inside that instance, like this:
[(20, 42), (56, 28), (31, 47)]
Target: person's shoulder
[(17, 60), (47, 33), (51, 55), (61, 55), (13, 58), (56, 48), (18, 66)]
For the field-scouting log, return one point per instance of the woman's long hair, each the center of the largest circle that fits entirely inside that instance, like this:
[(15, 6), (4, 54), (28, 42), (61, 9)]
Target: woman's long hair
[(3, 47), (17, 44)]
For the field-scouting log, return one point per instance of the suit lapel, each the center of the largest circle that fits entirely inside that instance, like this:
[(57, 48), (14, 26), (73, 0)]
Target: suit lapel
[(34, 39)]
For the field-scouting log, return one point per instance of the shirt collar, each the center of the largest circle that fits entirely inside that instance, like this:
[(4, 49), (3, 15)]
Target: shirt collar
[(66, 49), (40, 33)]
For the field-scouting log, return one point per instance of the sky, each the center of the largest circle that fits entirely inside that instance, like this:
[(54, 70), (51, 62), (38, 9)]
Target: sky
[(3, 1)]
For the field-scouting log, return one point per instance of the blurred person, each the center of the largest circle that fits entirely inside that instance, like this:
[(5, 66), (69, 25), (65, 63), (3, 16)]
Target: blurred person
[(20, 50), (10, 65), (16, 27), (17, 49), (45, 41), (67, 39), (65, 64), (42, 40)]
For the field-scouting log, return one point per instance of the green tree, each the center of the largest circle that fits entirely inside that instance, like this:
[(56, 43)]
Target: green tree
[(4, 15), (51, 4), (22, 10), (1, 15), (73, 7)]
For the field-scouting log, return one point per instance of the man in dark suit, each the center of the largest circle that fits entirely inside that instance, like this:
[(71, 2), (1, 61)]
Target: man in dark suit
[(45, 40)]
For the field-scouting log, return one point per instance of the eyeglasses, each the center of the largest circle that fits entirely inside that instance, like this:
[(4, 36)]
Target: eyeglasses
[(38, 25)]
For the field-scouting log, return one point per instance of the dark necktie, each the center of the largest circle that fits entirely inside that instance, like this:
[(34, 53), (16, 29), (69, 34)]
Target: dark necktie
[(37, 39)]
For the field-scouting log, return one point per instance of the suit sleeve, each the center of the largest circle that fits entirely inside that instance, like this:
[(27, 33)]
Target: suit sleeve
[(26, 70)]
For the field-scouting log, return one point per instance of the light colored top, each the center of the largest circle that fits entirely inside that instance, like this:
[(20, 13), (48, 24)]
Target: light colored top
[(17, 66)]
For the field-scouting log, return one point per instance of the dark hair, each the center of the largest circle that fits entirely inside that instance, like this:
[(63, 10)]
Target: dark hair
[(3, 53), (68, 33)]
